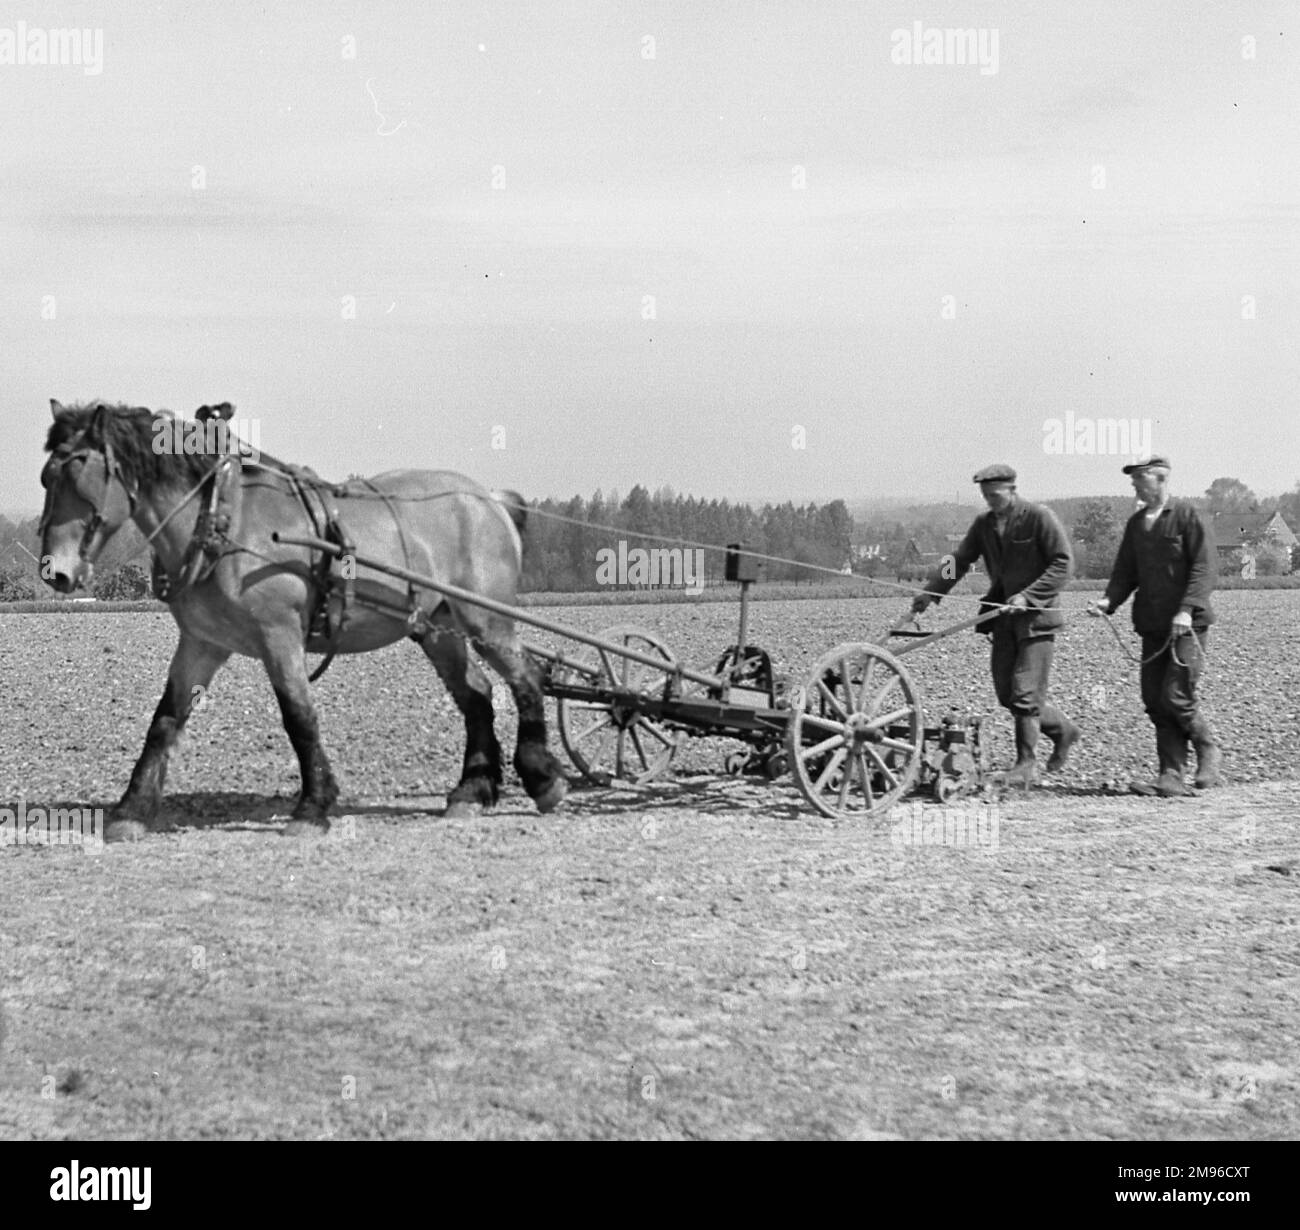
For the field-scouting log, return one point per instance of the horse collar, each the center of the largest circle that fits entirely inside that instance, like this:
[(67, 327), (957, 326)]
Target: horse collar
[(209, 541)]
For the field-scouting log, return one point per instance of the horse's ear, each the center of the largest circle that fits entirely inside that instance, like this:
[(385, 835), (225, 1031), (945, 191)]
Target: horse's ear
[(58, 409), (98, 428)]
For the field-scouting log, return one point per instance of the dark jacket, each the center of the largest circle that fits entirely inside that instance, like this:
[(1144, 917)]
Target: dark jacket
[(1171, 566), (1032, 557)]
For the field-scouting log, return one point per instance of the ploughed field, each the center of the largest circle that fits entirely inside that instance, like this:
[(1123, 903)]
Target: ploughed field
[(706, 956)]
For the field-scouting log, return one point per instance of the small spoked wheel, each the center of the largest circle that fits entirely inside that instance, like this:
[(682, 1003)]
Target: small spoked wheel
[(609, 737), (735, 762), (856, 732), (946, 789)]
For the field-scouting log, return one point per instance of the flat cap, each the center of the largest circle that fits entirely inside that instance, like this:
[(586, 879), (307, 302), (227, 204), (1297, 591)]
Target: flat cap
[(996, 474), (1149, 462)]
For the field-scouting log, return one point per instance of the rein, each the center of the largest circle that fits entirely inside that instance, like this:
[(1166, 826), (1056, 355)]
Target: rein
[(189, 495), (297, 478), (1170, 644)]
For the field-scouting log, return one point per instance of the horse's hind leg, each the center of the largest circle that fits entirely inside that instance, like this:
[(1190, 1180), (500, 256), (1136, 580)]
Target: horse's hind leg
[(537, 768), (193, 665), (480, 778), (286, 665)]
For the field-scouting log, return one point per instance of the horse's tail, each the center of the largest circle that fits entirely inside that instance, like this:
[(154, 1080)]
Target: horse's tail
[(513, 503), (510, 505)]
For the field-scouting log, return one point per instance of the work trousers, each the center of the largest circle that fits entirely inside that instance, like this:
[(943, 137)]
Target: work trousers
[(1169, 680), (1021, 665)]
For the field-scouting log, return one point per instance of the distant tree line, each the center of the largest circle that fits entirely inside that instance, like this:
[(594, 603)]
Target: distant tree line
[(567, 540)]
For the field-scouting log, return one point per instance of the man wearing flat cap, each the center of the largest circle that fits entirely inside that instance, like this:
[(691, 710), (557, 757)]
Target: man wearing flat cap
[(1167, 557), (1028, 559)]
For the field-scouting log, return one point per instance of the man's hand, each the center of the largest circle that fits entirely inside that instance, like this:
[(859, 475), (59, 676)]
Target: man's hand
[(1100, 606), (1018, 602), (920, 603), (1182, 624)]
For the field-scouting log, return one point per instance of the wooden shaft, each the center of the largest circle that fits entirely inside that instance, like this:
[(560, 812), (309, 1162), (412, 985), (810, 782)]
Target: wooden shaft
[(500, 608), (938, 636)]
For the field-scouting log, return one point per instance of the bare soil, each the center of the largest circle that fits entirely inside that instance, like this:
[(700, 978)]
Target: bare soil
[(706, 957)]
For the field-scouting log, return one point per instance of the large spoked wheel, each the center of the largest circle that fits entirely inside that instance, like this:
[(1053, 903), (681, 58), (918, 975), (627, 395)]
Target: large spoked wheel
[(610, 741), (856, 732)]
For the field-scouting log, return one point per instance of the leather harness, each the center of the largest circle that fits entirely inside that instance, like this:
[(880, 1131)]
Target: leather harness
[(333, 577), (209, 542), (334, 591)]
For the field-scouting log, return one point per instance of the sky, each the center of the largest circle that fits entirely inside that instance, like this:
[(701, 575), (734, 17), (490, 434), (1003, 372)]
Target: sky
[(732, 248)]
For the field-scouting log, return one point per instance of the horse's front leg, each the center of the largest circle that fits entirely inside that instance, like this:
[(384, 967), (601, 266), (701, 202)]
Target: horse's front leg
[(192, 668), (286, 664)]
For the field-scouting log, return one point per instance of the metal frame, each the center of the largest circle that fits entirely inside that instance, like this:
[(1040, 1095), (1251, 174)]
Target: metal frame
[(886, 751)]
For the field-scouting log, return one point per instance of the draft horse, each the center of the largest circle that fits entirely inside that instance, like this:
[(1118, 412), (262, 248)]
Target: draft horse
[(232, 588)]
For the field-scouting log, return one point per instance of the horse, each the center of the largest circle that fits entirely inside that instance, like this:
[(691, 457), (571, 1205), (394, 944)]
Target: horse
[(212, 519)]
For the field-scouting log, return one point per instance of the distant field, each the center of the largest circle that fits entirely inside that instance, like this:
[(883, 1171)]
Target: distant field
[(777, 591), (704, 957)]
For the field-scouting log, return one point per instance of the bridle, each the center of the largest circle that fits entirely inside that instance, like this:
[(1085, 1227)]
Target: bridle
[(92, 538), (102, 524)]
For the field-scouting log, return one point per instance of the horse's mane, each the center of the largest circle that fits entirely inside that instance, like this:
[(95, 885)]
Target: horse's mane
[(131, 432)]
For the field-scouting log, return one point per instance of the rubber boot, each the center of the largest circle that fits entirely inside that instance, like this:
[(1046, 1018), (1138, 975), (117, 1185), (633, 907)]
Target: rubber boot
[(1209, 759), (1025, 771), (1169, 784), (1169, 781), (1063, 733)]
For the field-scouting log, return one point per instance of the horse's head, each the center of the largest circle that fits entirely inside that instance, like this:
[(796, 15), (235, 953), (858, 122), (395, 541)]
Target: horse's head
[(87, 496)]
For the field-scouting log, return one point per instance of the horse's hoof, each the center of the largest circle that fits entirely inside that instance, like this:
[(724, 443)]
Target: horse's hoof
[(462, 809), (307, 828), (126, 830), (552, 796)]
